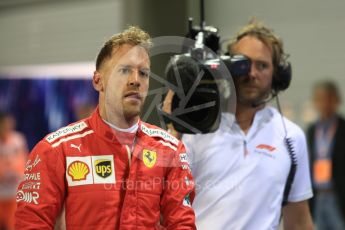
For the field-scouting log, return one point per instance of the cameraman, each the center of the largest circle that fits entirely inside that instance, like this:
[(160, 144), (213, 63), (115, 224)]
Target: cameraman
[(241, 170)]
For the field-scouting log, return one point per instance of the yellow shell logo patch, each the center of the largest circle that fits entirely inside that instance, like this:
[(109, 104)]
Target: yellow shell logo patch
[(149, 158), (78, 170)]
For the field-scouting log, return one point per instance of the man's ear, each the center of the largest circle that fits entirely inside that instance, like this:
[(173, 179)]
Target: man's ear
[(97, 81)]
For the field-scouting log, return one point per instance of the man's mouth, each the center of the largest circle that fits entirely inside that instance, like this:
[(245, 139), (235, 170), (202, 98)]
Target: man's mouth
[(133, 95), (251, 86), (248, 85)]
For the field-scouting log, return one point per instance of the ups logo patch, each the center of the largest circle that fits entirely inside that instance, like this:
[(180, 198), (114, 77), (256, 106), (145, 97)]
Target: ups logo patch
[(103, 168)]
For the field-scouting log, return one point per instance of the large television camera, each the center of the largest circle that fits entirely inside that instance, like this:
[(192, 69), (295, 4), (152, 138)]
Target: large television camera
[(197, 76)]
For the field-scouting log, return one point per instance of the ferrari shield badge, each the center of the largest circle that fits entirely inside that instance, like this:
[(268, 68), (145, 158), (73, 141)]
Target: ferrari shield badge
[(149, 158)]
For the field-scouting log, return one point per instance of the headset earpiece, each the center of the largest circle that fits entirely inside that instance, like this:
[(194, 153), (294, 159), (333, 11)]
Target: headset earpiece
[(282, 77)]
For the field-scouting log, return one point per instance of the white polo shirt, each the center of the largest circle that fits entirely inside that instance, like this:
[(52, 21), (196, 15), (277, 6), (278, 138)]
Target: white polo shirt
[(240, 179)]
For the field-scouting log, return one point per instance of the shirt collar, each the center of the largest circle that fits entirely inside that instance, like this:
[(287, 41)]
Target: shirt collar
[(104, 130), (132, 129), (261, 117)]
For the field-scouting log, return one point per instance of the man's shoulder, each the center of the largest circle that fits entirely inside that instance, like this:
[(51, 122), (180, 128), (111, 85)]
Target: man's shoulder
[(292, 128), (202, 139), (158, 134), (74, 130), (341, 120)]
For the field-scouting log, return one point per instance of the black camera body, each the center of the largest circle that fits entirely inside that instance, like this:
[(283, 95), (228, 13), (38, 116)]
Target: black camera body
[(196, 75), (198, 106)]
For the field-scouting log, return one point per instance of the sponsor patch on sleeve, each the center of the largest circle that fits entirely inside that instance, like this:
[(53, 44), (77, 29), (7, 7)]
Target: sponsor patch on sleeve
[(30, 165), (66, 130), (28, 197), (186, 201), (28, 190), (184, 161), (159, 133), (184, 158)]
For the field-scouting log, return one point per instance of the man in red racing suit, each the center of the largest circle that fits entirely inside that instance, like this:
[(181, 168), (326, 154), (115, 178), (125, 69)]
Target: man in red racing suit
[(99, 174), (85, 170)]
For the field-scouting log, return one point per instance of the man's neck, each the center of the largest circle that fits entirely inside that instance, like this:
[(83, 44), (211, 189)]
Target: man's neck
[(131, 129), (123, 123), (245, 115), (119, 121)]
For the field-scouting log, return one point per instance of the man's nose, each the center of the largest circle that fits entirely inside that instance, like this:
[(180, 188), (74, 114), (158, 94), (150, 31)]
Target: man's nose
[(253, 70), (133, 79)]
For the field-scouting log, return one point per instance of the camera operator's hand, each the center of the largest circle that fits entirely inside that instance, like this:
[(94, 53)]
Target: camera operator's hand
[(167, 108)]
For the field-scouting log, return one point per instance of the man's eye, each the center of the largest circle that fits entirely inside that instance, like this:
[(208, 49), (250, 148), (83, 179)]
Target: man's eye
[(144, 73), (261, 66), (125, 70)]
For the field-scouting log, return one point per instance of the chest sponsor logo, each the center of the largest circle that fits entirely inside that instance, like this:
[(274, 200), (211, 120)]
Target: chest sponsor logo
[(266, 150), (149, 158), (89, 170), (266, 147), (103, 168), (78, 170)]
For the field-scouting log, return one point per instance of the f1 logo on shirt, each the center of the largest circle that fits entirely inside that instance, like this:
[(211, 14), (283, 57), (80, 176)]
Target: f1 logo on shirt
[(266, 147), (90, 170), (265, 150)]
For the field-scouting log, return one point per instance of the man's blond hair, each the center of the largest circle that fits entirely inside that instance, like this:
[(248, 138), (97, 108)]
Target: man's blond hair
[(258, 30), (131, 36)]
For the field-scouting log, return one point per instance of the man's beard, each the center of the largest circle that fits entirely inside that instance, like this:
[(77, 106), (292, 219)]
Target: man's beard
[(123, 111), (260, 99), (130, 111), (251, 99)]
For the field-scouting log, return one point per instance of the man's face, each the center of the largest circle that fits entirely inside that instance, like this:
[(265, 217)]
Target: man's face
[(325, 102), (256, 86), (125, 82), (6, 126)]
